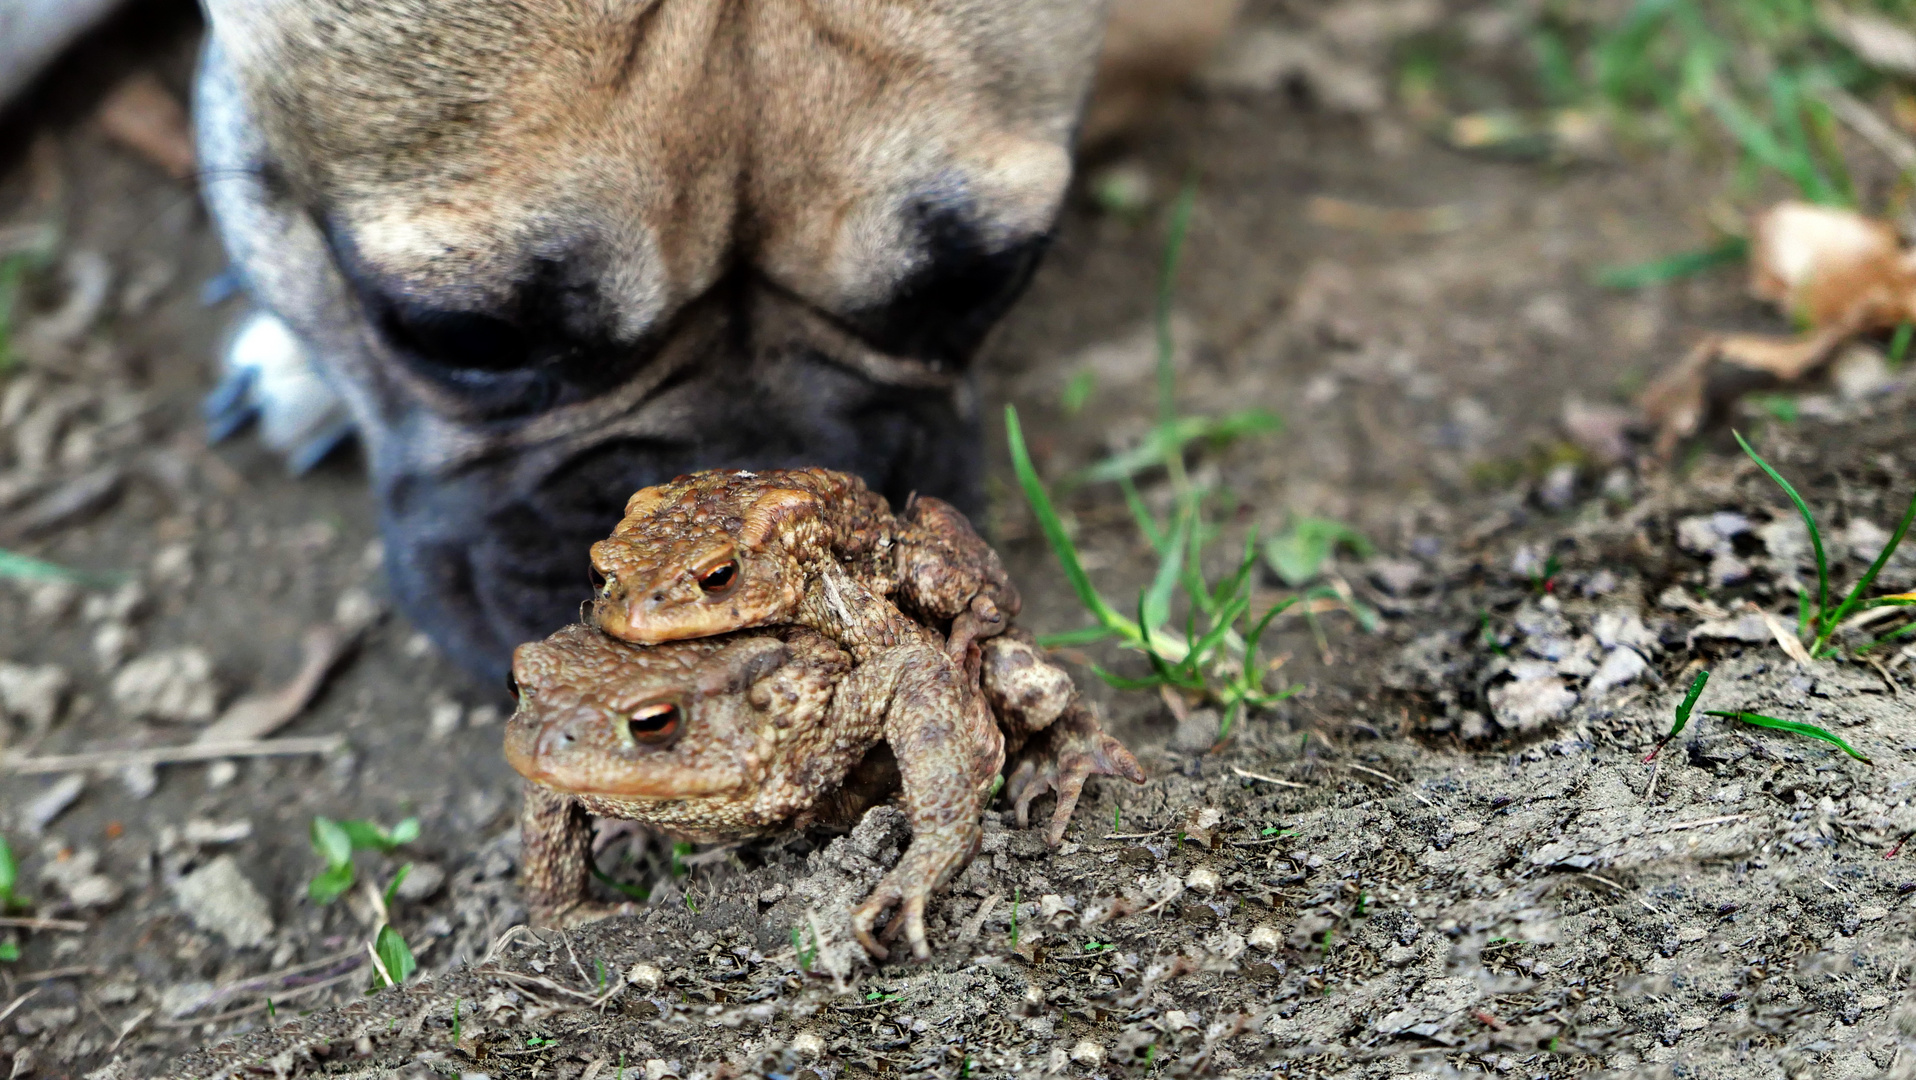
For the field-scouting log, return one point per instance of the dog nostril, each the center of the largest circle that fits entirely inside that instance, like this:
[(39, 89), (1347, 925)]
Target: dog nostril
[(456, 339)]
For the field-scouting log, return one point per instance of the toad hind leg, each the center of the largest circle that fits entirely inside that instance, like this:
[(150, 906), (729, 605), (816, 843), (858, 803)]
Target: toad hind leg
[(948, 751), (1071, 751)]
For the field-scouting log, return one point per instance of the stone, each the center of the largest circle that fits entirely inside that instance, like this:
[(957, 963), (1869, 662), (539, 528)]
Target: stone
[(75, 876), (1203, 881), (54, 801), (422, 882), (220, 900), (169, 684), (1197, 732), (1529, 704), (1398, 577), (1088, 1054), (1620, 667), (33, 695)]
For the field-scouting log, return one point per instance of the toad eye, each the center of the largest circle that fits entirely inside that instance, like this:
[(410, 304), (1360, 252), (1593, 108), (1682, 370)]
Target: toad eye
[(655, 724), (599, 581), (720, 577), (512, 685)]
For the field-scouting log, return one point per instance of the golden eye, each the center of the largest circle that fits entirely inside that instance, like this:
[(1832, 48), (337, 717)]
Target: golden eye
[(655, 724), (720, 577)]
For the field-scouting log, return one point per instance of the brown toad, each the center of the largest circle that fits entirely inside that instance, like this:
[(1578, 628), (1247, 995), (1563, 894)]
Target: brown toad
[(762, 731), (728, 549)]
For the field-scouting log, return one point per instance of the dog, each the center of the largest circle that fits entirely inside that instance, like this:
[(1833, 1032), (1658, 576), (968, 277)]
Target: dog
[(539, 254)]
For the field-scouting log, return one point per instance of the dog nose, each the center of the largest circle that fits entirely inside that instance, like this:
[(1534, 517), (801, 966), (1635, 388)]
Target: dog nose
[(965, 279), (456, 339)]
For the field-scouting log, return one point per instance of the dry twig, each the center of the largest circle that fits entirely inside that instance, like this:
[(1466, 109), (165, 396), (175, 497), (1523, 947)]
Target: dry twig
[(172, 755)]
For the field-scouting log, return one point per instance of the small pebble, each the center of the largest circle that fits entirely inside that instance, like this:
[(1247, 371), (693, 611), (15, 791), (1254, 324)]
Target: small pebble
[(33, 694), (168, 684), (202, 832), (422, 881), (443, 718), (1203, 881), (54, 801), (1088, 1054), (220, 900), (140, 780)]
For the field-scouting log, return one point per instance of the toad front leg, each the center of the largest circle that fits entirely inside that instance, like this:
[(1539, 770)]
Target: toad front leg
[(948, 752), (555, 865), (947, 571)]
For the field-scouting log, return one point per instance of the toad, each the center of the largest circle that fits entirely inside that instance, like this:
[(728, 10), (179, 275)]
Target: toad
[(762, 731), (729, 549)]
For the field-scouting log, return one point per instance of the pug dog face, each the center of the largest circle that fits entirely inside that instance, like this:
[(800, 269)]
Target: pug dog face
[(553, 251)]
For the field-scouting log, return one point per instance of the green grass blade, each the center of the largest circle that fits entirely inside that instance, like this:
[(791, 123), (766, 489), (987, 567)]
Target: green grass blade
[(1257, 631), (1167, 286), (17, 567), (1120, 682), (633, 892), (1897, 634), (1899, 343), (1141, 513), (1220, 626), (331, 842), (1054, 531), (1672, 267), (1901, 600), (1689, 701), (1869, 578), (1154, 606), (1809, 523), (9, 875), (399, 879), (1793, 727), (1087, 636), (395, 955)]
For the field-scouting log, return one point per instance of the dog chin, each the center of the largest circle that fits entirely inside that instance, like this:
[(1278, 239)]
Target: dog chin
[(492, 553)]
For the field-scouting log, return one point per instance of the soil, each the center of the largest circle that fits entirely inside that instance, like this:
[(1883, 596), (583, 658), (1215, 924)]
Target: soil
[(1446, 854)]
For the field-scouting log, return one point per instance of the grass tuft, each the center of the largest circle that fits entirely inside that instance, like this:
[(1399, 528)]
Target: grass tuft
[(1822, 621), (336, 841), (1212, 651), (1794, 727)]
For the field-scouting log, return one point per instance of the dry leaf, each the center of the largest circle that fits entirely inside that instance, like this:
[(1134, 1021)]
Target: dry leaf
[(259, 715), (1785, 637), (1832, 267), (142, 114), (1838, 272), (1382, 220)]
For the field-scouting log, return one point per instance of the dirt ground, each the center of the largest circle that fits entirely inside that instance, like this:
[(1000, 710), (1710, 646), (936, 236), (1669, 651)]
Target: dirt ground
[(1444, 856)]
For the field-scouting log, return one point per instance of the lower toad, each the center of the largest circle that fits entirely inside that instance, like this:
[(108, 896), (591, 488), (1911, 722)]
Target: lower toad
[(763, 731)]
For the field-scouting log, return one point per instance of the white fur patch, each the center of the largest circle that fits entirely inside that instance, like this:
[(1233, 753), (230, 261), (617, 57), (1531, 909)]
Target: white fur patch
[(295, 404)]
